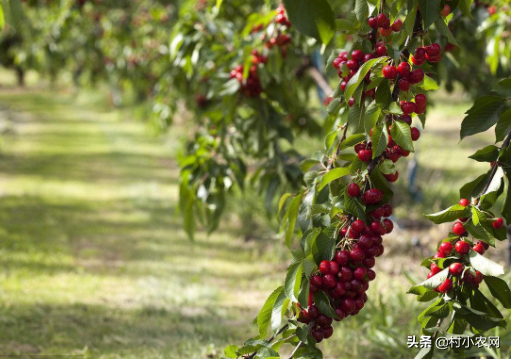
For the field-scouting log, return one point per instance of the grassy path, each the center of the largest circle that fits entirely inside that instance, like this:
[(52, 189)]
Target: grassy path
[(92, 256)]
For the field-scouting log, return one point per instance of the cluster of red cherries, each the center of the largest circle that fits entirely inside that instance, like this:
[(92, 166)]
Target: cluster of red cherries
[(393, 151), (460, 248), (382, 22), (345, 279), (252, 86)]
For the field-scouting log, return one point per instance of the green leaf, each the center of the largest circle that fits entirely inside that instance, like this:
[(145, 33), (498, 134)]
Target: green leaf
[(219, 3), (2, 17), (372, 114), (231, 351), (361, 10), (464, 6), (387, 167), (352, 140), (487, 154), (307, 164), (264, 316), (356, 118), (443, 29), (293, 281), (380, 139), (428, 84), (312, 18), (359, 76), (448, 215), (499, 289), (410, 20), (383, 96), (344, 25), (483, 115), (354, 206), (430, 10), (481, 232), (278, 311), (475, 187), (503, 125), (186, 204), (503, 88), (16, 12), (478, 216), (323, 304), (426, 353), (323, 248), (401, 134), (484, 265), (289, 221), (330, 138), (332, 175), (432, 282)]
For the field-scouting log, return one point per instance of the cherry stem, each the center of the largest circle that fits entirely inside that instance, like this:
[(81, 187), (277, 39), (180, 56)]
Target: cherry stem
[(296, 348)]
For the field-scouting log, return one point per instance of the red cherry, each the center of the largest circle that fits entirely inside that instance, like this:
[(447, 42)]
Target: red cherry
[(368, 57), (365, 155), (373, 23), (317, 281), (353, 65), (485, 245), (342, 257), (433, 49), (372, 196), (346, 274), (417, 62), (340, 314), (387, 208), (445, 11), (392, 177), (358, 226), (498, 223), (404, 69), (303, 317), (318, 335), (369, 262), (360, 273), (464, 202), (421, 100), (478, 278), (348, 305), (381, 51), (445, 286), (382, 20), (420, 54), (329, 281), (404, 84), (397, 25), (353, 190), (357, 55), (479, 248), (439, 255), (406, 119), (446, 248), (385, 31), (324, 267), (356, 255), (328, 331), (435, 268), (365, 241), (408, 107), (456, 269), (458, 228), (351, 102), (416, 76), (390, 72), (416, 134), (388, 225), (462, 247), (371, 274), (434, 59)]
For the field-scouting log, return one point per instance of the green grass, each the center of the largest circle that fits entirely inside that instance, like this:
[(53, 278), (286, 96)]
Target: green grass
[(94, 260)]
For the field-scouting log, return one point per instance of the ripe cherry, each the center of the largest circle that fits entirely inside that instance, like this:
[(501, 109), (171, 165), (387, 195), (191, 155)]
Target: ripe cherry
[(498, 223), (303, 317), (369, 262), (348, 305), (328, 331), (408, 107), (382, 20), (390, 72), (416, 76), (397, 25), (342, 257), (445, 11), (478, 278), (373, 196), (381, 51), (458, 228), (388, 225), (479, 248), (340, 314), (439, 255), (421, 100), (404, 84), (385, 31), (360, 273), (393, 177), (358, 226), (353, 190), (323, 321), (464, 202), (365, 155), (365, 241), (462, 247), (324, 267), (446, 248), (357, 255), (318, 335), (433, 49), (329, 281), (373, 24), (353, 65), (404, 69), (317, 281), (371, 274), (484, 244), (416, 134), (346, 274), (351, 102), (435, 268), (445, 286), (357, 55), (456, 269)]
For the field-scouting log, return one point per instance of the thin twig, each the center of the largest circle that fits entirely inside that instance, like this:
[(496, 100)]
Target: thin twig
[(280, 331), (337, 150), (294, 351)]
